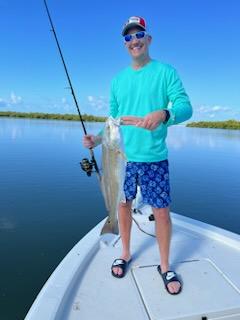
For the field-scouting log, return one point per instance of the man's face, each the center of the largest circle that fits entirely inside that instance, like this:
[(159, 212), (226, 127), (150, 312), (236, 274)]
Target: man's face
[(138, 47)]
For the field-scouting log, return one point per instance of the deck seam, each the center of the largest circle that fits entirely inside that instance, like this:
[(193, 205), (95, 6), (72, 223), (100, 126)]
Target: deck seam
[(223, 274), (139, 292)]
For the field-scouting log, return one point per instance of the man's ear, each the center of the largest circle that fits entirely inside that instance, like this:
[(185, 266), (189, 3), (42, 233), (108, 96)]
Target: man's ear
[(149, 39)]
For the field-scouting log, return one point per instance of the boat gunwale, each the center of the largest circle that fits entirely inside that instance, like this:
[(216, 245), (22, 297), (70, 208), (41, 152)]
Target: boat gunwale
[(62, 281), (216, 233)]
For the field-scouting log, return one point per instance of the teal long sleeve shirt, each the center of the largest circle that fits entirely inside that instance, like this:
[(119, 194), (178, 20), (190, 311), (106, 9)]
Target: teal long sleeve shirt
[(139, 92)]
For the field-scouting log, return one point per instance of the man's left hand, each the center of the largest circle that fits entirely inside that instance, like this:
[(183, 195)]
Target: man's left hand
[(150, 122)]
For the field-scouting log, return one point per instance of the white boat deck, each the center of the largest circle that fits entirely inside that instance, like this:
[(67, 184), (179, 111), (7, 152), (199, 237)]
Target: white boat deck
[(206, 258)]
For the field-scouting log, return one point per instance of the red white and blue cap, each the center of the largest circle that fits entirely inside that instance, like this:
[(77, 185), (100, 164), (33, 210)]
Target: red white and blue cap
[(132, 22)]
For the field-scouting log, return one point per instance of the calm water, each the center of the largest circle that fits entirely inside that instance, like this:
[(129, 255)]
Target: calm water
[(47, 203)]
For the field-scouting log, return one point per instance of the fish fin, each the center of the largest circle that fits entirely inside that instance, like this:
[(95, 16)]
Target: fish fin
[(122, 155), (110, 227)]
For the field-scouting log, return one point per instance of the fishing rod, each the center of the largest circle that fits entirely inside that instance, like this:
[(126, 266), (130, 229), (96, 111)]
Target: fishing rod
[(86, 165)]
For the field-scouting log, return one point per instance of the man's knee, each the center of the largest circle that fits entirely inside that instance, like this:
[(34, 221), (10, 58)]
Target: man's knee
[(162, 214), (125, 205)]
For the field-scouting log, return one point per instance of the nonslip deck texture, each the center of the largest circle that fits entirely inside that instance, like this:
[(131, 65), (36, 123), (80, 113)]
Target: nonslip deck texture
[(202, 263)]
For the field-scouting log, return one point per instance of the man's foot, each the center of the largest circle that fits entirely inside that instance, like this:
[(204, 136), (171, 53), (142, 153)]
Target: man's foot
[(119, 266), (171, 281)]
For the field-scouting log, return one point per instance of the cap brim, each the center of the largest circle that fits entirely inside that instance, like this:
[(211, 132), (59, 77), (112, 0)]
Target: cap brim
[(130, 26)]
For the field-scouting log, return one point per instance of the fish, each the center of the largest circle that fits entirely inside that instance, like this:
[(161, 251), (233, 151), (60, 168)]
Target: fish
[(113, 172)]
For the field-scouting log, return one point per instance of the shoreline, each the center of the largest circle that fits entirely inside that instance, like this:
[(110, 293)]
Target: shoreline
[(227, 124), (52, 116)]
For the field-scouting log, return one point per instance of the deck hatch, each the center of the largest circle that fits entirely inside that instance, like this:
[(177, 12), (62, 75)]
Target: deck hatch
[(206, 292)]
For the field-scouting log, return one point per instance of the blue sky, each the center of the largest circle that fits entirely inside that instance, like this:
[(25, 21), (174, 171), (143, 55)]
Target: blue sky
[(199, 38)]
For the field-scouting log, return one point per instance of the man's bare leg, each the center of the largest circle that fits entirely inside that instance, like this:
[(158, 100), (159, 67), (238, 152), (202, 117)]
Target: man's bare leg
[(125, 224), (163, 227)]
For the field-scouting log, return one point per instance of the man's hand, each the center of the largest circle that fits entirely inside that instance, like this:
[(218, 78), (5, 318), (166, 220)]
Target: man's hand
[(91, 141), (150, 122)]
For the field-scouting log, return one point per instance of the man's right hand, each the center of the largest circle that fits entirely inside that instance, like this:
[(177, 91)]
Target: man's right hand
[(91, 141)]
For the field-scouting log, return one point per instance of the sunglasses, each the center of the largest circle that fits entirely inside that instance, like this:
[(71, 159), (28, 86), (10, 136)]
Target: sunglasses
[(137, 35)]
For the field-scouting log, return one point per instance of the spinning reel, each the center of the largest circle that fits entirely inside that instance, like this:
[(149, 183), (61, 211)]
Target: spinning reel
[(87, 166)]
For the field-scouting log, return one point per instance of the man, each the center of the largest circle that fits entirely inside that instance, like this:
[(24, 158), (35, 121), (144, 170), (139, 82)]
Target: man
[(141, 95)]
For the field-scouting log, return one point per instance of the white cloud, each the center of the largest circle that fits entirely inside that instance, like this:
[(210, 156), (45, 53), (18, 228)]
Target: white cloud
[(219, 112), (202, 109), (90, 98), (220, 108), (15, 99), (98, 103), (66, 106), (214, 108)]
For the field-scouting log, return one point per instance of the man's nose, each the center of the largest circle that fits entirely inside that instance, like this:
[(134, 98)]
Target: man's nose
[(134, 40)]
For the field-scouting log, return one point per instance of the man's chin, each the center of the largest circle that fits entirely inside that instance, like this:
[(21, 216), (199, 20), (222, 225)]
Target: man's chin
[(137, 56)]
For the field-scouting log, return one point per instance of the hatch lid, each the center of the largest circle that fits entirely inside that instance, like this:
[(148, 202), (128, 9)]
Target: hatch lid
[(207, 292)]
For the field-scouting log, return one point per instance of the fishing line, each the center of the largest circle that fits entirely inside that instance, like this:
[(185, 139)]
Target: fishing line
[(150, 218), (86, 165), (142, 230)]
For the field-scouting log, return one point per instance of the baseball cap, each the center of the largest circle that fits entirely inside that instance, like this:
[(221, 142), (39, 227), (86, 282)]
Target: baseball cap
[(132, 22)]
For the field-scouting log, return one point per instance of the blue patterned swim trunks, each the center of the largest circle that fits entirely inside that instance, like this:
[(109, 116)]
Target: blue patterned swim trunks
[(153, 179)]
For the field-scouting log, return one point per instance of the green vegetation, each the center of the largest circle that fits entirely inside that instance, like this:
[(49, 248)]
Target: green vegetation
[(51, 116), (229, 124)]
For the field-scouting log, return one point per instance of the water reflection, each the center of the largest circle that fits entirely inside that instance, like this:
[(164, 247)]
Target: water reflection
[(6, 224), (43, 146), (179, 136), (50, 203)]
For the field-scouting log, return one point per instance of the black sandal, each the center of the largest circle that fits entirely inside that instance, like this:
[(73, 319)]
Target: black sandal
[(122, 264), (169, 277)]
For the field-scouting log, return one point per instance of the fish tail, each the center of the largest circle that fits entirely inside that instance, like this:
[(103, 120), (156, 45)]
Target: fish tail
[(110, 227)]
